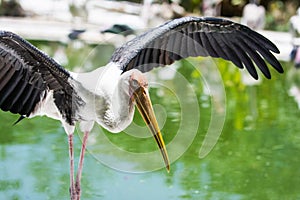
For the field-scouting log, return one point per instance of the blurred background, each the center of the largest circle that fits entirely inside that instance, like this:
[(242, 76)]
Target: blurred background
[(256, 156)]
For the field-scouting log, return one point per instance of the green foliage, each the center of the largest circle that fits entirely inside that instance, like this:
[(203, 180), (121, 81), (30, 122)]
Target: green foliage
[(255, 157), (192, 5)]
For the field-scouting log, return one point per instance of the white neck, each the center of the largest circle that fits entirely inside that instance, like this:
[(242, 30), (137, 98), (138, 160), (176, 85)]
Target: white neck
[(106, 95)]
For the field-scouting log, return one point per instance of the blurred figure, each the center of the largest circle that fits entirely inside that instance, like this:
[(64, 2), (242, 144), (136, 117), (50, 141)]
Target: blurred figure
[(211, 8), (79, 12), (294, 74), (293, 83), (295, 31), (156, 12), (254, 15), (295, 56)]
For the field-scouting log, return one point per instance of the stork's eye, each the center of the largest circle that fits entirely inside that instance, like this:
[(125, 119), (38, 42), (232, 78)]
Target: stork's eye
[(135, 84)]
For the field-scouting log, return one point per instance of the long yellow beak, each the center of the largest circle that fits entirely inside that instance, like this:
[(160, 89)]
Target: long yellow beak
[(144, 106)]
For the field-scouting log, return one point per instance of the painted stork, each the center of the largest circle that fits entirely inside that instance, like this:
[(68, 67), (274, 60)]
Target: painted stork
[(33, 84)]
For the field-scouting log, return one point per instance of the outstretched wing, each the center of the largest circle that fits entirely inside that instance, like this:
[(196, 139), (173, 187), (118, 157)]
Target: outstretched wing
[(193, 36), (27, 75)]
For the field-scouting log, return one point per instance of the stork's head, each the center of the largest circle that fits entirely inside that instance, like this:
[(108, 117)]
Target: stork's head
[(138, 91), (137, 83)]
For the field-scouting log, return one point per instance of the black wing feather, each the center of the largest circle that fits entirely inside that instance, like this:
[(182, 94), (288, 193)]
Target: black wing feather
[(242, 55), (193, 36), (214, 43), (27, 75), (230, 53)]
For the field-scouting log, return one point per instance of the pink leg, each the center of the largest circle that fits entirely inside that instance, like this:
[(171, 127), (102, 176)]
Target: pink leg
[(71, 156), (80, 165)]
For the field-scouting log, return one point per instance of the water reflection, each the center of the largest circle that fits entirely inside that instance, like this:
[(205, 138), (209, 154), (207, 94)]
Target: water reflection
[(255, 158)]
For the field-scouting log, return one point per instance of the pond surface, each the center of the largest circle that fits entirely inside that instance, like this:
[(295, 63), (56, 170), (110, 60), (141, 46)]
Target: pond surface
[(256, 156)]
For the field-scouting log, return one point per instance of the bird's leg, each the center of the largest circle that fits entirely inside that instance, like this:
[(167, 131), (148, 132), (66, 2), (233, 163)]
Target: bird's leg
[(71, 156), (80, 165)]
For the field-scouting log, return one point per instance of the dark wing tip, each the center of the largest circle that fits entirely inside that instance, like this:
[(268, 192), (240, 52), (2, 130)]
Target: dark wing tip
[(268, 76), (256, 42), (276, 50), (262, 39), (19, 119), (281, 71)]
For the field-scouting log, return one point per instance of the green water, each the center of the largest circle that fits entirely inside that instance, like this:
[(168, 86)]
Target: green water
[(256, 156)]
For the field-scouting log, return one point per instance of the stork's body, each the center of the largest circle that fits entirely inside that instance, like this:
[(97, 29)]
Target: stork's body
[(101, 94), (33, 84)]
